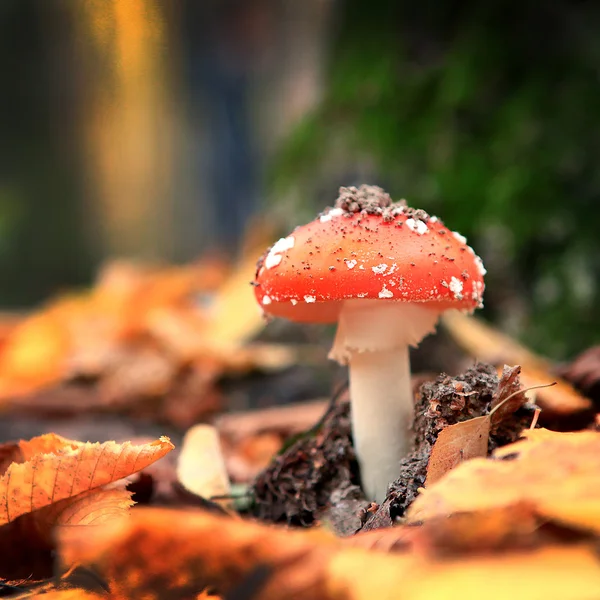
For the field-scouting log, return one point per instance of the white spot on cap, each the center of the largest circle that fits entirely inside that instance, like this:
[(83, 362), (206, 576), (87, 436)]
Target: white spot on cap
[(350, 263), (361, 295), (456, 287), (379, 269), (385, 293), (276, 252), (334, 212), (309, 299), (266, 300), (294, 301), (433, 219), (418, 226), (461, 238), (480, 266)]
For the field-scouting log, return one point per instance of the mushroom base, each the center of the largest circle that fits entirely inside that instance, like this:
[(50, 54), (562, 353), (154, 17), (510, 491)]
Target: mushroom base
[(374, 341)]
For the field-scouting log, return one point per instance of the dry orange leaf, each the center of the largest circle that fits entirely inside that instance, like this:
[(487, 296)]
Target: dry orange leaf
[(177, 554), (557, 473), (56, 468)]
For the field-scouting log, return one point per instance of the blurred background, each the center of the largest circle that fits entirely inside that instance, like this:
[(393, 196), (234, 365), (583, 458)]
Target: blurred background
[(163, 129)]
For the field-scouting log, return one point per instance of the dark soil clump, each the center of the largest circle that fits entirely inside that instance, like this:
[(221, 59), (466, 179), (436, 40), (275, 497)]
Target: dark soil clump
[(300, 482)]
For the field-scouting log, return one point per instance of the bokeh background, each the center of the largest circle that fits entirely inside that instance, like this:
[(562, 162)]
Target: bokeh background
[(162, 129)]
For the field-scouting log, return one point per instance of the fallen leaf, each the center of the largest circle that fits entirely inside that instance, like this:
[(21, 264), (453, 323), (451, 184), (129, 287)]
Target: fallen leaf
[(487, 344), (56, 468), (290, 419), (557, 473), (34, 355), (470, 439), (457, 443), (95, 507), (504, 528), (201, 466), (138, 557), (70, 594), (507, 399)]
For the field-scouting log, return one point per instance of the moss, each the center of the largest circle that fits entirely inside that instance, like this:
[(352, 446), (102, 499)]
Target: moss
[(483, 113)]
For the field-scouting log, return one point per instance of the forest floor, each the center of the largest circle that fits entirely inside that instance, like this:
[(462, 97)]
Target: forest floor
[(160, 440)]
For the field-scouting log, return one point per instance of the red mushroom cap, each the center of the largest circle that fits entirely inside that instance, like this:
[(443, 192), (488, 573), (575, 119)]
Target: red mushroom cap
[(367, 247)]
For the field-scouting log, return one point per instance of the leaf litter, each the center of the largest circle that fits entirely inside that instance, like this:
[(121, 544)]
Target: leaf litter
[(511, 511)]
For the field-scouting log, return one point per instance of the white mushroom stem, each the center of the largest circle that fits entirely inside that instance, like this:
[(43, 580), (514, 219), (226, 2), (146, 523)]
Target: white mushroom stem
[(373, 338)]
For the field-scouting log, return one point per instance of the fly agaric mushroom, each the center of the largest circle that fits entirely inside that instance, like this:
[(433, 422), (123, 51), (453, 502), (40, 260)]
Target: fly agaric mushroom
[(384, 272)]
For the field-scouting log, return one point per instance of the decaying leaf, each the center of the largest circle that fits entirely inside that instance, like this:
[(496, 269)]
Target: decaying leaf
[(557, 473), (138, 557), (55, 468)]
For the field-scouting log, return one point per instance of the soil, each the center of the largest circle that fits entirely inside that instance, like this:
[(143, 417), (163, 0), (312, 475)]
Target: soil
[(299, 484), (316, 478), (372, 200)]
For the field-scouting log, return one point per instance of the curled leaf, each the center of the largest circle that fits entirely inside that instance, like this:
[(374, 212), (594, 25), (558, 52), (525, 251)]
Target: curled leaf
[(56, 468)]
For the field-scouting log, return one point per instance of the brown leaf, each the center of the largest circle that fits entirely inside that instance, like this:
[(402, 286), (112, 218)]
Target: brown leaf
[(503, 406), (470, 439), (557, 473), (457, 443), (57, 468), (487, 344)]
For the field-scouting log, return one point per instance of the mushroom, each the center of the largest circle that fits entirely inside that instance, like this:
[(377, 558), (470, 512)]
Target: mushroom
[(384, 272)]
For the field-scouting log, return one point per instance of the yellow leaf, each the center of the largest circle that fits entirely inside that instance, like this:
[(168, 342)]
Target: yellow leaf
[(57, 468), (201, 466), (557, 473), (95, 507)]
